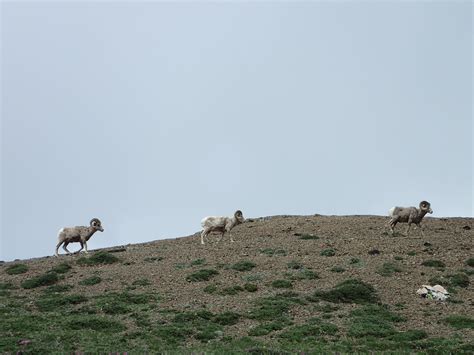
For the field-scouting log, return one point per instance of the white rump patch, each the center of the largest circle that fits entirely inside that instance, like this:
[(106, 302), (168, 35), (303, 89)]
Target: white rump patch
[(390, 211)]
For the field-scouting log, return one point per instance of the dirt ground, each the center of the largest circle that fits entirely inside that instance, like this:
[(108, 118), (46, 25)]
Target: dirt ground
[(166, 263)]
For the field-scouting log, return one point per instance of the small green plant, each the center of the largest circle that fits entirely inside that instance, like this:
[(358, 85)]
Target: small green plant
[(328, 252), (58, 289), (227, 318), (243, 265), (230, 291), (267, 328), (354, 261), (309, 237), (250, 287), (434, 263), (252, 277), (202, 275), (272, 252), (470, 262), (349, 291), (398, 258), (295, 265), (101, 324), (282, 284), (94, 280), (411, 253), (313, 329), (125, 302), (302, 274), (16, 269), (198, 262), (61, 268), (47, 279), (337, 269), (274, 308), (388, 269), (52, 302), (460, 322), (99, 258), (459, 280), (141, 282), (210, 289)]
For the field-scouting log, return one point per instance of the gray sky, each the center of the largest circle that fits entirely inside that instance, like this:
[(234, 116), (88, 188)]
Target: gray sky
[(153, 115)]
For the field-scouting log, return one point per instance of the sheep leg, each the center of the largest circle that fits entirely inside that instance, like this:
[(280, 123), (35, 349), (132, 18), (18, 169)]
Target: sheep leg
[(421, 229), (65, 248), (408, 229), (392, 223), (82, 247), (57, 248), (203, 234), (85, 244)]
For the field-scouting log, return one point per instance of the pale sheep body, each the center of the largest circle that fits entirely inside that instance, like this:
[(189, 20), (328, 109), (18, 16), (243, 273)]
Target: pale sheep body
[(78, 234), (409, 215), (220, 224)]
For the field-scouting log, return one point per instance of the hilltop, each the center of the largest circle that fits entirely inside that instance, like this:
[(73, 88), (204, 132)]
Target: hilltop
[(288, 283)]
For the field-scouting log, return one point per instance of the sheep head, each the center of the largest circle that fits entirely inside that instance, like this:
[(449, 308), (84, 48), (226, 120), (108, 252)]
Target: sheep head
[(239, 216), (96, 224), (426, 207)]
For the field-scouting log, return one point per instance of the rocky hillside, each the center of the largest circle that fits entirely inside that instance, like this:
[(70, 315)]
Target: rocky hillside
[(288, 283)]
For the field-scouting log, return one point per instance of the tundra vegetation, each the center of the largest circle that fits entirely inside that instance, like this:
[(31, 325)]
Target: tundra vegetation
[(235, 298)]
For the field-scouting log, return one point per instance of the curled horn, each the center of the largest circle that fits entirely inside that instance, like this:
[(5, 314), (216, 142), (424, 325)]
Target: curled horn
[(424, 205), (238, 213), (96, 220)]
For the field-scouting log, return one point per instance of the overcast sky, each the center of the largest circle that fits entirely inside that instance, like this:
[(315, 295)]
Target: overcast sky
[(153, 115)]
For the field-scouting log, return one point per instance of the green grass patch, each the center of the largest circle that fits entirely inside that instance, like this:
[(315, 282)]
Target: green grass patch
[(243, 265), (314, 329), (349, 291), (93, 280), (230, 291), (98, 258), (141, 282), (470, 262), (210, 289), (47, 279), (274, 307), (198, 262), (459, 280), (96, 323), (252, 277), (202, 275), (295, 265), (328, 252), (61, 268), (434, 263), (267, 328), (16, 269), (125, 302), (226, 318), (354, 261), (54, 302), (337, 269), (398, 258), (373, 321), (309, 237), (411, 253), (282, 284), (302, 274), (460, 322), (250, 287), (58, 289), (388, 269), (273, 252)]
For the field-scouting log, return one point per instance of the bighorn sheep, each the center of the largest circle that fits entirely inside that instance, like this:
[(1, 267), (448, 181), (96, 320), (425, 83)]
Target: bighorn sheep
[(409, 215), (80, 234), (220, 224)]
